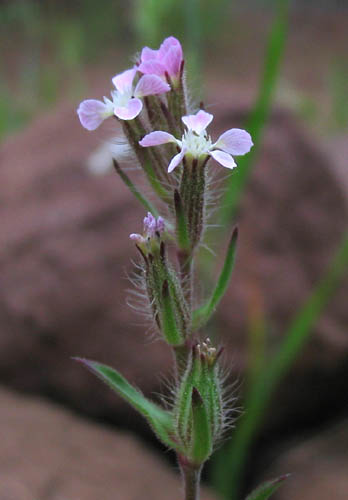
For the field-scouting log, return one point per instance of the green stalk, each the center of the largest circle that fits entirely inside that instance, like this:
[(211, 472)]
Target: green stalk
[(191, 477), (258, 118), (146, 203), (228, 467)]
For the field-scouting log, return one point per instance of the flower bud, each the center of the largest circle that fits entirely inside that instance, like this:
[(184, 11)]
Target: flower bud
[(199, 409), (165, 296)]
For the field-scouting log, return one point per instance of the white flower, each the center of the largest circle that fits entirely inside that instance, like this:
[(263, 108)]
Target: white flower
[(197, 143)]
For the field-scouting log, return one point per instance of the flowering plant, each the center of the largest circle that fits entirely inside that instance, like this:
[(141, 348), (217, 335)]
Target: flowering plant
[(151, 104)]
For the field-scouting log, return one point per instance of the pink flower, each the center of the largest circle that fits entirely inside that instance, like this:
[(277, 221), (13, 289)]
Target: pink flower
[(197, 143), (167, 59), (126, 101)]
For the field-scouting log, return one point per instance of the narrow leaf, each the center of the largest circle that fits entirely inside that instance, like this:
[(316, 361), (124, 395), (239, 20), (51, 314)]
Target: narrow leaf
[(169, 324), (201, 444), (267, 489), (159, 419), (230, 461), (202, 315), (146, 203), (259, 115), (181, 223), (155, 183)]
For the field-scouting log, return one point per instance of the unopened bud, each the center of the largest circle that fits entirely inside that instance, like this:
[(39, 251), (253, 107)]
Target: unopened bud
[(199, 403)]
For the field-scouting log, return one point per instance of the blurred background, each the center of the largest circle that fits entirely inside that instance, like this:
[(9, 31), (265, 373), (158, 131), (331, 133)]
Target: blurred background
[(278, 68)]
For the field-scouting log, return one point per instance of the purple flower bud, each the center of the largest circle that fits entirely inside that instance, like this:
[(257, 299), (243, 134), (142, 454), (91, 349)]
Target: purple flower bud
[(153, 225), (137, 238), (160, 225)]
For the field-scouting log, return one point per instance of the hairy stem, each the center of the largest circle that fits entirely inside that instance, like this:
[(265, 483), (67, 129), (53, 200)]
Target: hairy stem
[(186, 273), (191, 477)]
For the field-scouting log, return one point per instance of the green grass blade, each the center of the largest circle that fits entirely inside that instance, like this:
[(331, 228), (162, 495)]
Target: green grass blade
[(146, 203), (258, 118), (202, 315), (265, 490), (159, 419), (229, 463)]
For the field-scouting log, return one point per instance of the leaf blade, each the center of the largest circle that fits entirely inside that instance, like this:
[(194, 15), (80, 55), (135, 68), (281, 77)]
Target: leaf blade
[(159, 419), (132, 188), (203, 314), (265, 490)]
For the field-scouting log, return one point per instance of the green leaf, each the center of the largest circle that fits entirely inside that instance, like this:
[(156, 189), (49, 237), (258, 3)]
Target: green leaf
[(230, 461), (181, 223), (201, 444), (155, 183), (169, 326), (259, 115), (202, 314), (146, 203), (160, 420), (267, 489)]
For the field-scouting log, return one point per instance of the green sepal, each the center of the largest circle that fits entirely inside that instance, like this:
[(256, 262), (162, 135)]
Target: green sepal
[(202, 315), (182, 232), (267, 489), (169, 326), (159, 419), (202, 375), (201, 439), (146, 203)]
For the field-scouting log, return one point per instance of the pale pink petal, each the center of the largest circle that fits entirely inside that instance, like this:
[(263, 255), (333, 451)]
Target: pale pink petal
[(156, 138), (150, 85), (137, 238), (235, 141), (167, 44), (197, 122), (152, 68), (176, 160), (92, 113), (124, 81), (224, 159), (130, 111), (172, 60), (148, 54)]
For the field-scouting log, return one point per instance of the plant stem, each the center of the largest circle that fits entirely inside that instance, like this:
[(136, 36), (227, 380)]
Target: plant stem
[(191, 477), (186, 272)]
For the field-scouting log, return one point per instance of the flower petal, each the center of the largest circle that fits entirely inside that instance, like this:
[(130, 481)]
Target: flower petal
[(138, 238), (130, 111), (150, 85), (148, 54), (152, 67), (172, 60), (156, 138), (176, 160), (235, 141), (92, 113), (167, 44), (224, 159), (198, 122), (124, 81)]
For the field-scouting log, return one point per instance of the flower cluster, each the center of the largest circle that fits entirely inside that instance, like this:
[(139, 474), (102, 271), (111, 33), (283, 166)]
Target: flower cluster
[(150, 101), (152, 227), (155, 68)]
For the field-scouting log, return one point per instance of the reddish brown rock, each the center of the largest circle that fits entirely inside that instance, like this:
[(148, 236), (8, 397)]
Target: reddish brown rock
[(65, 252), (318, 467), (50, 454)]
